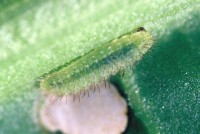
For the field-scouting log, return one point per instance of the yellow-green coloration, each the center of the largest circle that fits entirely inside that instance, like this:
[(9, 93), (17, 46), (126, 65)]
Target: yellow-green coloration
[(98, 64)]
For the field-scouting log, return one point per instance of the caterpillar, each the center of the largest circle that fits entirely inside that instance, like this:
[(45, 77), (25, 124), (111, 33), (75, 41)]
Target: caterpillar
[(98, 64)]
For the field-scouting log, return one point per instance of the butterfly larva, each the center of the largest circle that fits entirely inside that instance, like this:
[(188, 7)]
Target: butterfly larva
[(99, 63)]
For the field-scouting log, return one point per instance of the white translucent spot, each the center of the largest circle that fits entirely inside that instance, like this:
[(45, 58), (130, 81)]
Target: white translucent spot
[(144, 100), (186, 73), (102, 112), (96, 61), (186, 84), (86, 66)]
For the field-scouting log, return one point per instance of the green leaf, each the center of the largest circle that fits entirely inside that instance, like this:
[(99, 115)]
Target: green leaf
[(164, 88), (37, 36)]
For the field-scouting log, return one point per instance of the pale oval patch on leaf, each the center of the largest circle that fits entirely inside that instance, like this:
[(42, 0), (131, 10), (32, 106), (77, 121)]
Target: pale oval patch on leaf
[(102, 112)]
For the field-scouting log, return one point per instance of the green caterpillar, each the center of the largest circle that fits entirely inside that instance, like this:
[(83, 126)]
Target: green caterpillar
[(99, 64)]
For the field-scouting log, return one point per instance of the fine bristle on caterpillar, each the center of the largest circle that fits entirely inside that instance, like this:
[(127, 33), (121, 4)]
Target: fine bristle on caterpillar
[(98, 64)]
